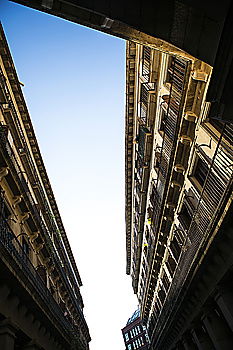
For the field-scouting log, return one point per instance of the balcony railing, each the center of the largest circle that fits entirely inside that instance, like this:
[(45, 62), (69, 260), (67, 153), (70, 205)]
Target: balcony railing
[(144, 143), (50, 218), (10, 244), (19, 176), (214, 192), (146, 100)]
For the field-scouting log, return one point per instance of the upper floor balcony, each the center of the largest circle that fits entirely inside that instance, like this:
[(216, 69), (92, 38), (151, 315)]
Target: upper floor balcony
[(16, 256), (170, 163), (37, 233), (202, 209)]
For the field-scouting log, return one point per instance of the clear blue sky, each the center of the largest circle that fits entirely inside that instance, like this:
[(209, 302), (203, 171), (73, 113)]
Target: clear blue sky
[(75, 90)]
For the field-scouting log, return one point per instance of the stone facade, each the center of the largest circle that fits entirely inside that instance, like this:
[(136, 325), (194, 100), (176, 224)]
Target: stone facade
[(178, 197), (40, 302)]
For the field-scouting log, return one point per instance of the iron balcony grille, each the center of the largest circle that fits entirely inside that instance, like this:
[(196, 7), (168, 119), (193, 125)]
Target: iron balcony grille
[(146, 89), (139, 164), (143, 112), (143, 136), (212, 197), (9, 243)]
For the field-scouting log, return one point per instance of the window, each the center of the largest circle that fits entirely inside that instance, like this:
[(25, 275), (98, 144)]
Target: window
[(159, 302), (175, 249), (185, 216), (165, 281), (171, 265), (5, 211), (139, 330), (147, 338), (156, 309), (179, 236), (162, 295), (42, 273), (25, 246), (126, 336), (200, 172), (129, 347), (217, 124), (162, 120), (176, 72)]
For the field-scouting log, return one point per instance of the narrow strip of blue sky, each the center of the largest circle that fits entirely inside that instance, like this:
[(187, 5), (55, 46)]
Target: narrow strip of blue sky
[(75, 89)]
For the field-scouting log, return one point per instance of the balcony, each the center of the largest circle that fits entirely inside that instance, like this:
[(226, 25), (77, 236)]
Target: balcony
[(17, 176), (50, 214), (139, 220), (163, 214), (144, 156), (172, 105), (14, 253), (147, 103), (144, 143), (199, 223)]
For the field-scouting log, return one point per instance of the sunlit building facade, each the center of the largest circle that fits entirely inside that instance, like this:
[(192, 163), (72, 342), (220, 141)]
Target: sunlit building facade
[(40, 302), (135, 333), (178, 202)]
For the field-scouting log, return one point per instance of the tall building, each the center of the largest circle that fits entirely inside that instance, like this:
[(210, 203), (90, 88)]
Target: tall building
[(40, 302), (135, 333), (178, 202)]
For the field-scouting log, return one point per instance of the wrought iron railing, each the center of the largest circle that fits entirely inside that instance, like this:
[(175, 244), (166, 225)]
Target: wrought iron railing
[(10, 244), (50, 218), (146, 100), (20, 178), (146, 86), (142, 140)]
